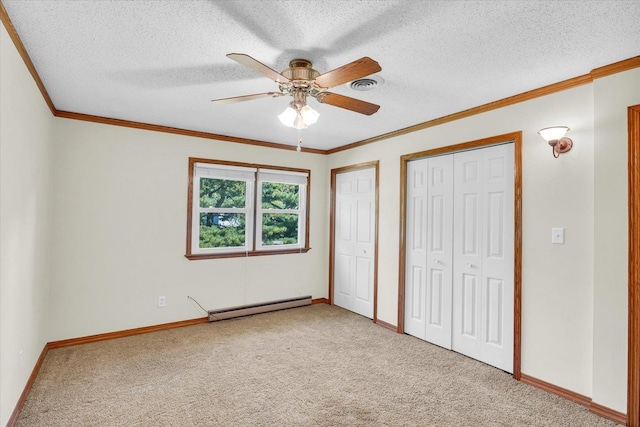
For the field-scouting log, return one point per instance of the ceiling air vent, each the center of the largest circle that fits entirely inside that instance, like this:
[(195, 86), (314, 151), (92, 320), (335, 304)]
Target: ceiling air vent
[(365, 84)]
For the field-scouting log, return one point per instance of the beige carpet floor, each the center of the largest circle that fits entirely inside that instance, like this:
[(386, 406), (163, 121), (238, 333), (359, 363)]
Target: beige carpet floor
[(311, 366)]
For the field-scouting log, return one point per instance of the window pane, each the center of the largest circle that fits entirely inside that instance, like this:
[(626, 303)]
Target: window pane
[(280, 196), (219, 230), (279, 229), (222, 193)]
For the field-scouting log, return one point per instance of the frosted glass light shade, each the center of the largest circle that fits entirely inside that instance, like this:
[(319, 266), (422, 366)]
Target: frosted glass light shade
[(288, 117), (309, 115), (553, 133)]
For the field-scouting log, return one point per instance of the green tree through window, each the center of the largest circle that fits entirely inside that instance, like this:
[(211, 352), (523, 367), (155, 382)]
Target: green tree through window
[(222, 229), (279, 228)]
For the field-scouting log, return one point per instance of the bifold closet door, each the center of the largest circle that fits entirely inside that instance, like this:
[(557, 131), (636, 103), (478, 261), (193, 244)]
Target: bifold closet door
[(429, 249), (459, 253), (483, 255), (354, 241)]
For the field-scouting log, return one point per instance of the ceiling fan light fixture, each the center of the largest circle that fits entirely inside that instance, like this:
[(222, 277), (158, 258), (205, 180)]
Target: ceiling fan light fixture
[(298, 118)]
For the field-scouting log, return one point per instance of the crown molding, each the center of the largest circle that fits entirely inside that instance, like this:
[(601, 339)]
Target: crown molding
[(179, 131)]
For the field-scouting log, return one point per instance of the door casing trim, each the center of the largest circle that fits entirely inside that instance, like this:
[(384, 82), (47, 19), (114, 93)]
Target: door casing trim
[(633, 365)]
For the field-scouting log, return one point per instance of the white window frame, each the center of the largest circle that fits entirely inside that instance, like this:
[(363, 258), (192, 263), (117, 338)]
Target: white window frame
[(253, 175), (232, 173), (282, 177)]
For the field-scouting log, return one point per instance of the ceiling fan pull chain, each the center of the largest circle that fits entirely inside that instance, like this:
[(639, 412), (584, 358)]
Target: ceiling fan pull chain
[(299, 148)]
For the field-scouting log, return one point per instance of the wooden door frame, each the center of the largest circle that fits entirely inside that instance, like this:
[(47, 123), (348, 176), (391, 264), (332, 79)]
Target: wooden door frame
[(332, 228), (516, 139), (633, 369)]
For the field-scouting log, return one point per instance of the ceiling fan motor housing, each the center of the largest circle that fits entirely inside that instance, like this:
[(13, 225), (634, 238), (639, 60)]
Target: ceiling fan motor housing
[(300, 73)]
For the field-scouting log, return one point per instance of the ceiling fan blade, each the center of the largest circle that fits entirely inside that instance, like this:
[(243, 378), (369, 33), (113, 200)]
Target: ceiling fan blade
[(246, 97), (349, 72), (258, 67), (348, 103)]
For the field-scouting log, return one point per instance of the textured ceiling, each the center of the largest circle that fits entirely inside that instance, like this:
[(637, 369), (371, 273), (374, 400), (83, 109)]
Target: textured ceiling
[(161, 62)]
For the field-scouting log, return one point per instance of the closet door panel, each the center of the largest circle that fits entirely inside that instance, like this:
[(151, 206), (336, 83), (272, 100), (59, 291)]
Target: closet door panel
[(494, 315), (416, 249), (468, 306), (435, 296), (498, 258), (345, 249), (483, 254), (439, 250), (467, 258)]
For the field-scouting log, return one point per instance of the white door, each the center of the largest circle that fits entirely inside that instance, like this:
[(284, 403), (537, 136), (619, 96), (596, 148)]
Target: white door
[(483, 255), (354, 241), (430, 246), (459, 257)]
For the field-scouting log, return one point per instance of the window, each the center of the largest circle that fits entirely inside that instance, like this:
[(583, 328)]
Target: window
[(244, 210)]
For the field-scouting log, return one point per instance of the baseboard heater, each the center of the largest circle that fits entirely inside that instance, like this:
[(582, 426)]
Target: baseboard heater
[(264, 307)]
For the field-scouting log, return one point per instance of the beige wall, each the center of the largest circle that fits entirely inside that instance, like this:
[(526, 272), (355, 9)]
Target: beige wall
[(26, 143), (120, 214), (613, 95)]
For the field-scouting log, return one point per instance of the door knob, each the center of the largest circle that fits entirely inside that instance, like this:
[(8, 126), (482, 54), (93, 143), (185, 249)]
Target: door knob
[(437, 261), (469, 265)]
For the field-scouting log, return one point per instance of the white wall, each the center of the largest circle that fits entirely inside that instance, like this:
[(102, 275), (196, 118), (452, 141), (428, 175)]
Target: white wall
[(557, 280), (26, 139), (613, 94), (120, 214)]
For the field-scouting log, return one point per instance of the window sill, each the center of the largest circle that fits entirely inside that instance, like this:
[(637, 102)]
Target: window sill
[(192, 257)]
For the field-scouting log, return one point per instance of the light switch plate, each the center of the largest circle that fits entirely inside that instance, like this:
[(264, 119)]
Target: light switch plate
[(557, 236)]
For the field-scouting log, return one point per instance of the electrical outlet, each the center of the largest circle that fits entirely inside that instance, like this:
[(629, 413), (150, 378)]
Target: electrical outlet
[(557, 236), (162, 301)]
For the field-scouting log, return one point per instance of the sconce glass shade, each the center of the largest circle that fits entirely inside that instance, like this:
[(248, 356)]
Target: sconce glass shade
[(553, 133)]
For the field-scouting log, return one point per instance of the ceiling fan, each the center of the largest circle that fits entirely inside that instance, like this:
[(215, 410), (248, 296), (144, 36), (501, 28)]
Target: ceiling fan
[(300, 80)]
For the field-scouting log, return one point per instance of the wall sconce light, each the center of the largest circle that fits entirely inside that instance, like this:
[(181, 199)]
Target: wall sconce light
[(555, 137)]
